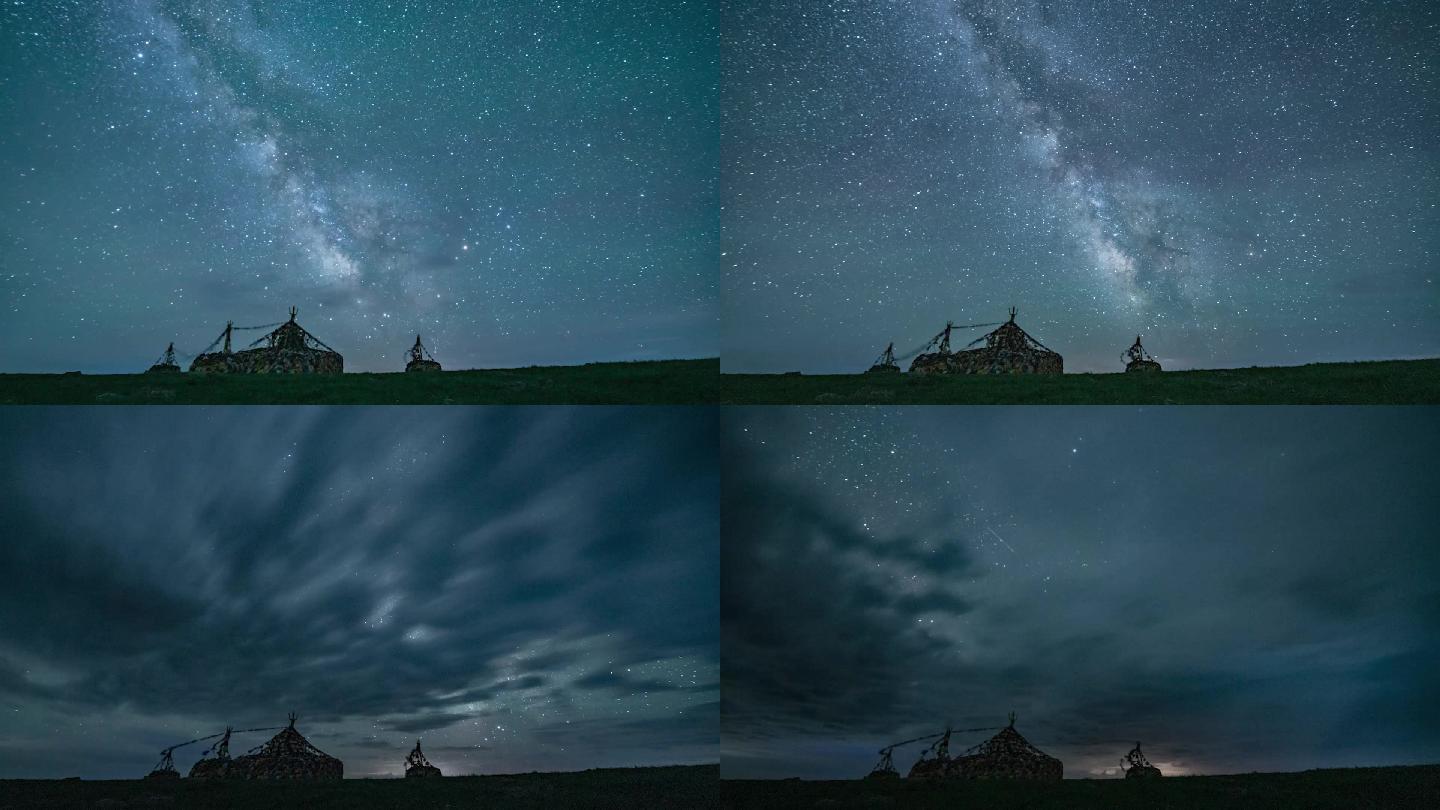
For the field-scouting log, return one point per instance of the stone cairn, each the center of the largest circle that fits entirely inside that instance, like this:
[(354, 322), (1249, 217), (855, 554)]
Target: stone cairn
[(287, 350), (420, 358), (1007, 350), (1136, 766), (1006, 755), (165, 364), (217, 767), (885, 768), (933, 767), (885, 363), (288, 755), (165, 768), (417, 766), (1137, 359)]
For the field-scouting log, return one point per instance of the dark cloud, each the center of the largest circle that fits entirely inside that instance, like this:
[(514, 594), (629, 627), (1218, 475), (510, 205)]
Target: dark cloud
[(624, 684), (391, 569), (688, 734), (1237, 589), (427, 722), (812, 623)]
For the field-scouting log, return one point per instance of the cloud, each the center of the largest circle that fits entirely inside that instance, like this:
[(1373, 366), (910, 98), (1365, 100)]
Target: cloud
[(619, 682), (426, 722), (358, 566), (1235, 600), (813, 625)]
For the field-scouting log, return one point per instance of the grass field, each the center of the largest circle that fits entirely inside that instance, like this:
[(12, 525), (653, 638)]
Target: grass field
[(1348, 788), (1384, 382), (675, 787), (661, 382)]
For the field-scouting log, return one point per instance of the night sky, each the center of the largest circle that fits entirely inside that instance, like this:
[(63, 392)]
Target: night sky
[(524, 589), (524, 183), (1240, 589), (1245, 183)]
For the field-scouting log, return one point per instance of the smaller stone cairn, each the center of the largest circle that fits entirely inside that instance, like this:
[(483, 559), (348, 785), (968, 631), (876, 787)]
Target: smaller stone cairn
[(420, 358), (1136, 766), (885, 363), (166, 363), (417, 766), (1137, 359)]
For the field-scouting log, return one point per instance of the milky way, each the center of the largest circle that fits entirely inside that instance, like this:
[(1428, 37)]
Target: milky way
[(1242, 183), (523, 184)]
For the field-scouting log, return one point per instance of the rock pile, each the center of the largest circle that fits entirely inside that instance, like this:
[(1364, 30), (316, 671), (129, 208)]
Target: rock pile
[(420, 358), (1007, 755), (166, 364), (1007, 350), (417, 766), (288, 755), (1137, 359), (885, 363), (1136, 766), (210, 769), (287, 350)]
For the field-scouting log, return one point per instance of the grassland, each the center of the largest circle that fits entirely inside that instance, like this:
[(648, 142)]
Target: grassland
[(1348, 788), (1396, 382), (674, 787), (662, 382)]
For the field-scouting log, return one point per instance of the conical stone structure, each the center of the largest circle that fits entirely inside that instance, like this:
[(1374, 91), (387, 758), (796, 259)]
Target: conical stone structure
[(288, 755), (287, 350), (1007, 350), (420, 358), (1136, 766), (1007, 755), (417, 766), (1137, 359), (166, 364)]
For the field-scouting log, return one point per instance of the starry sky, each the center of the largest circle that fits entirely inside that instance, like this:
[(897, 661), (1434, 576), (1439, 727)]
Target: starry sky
[(1245, 183), (524, 589), (1240, 591), (524, 183)]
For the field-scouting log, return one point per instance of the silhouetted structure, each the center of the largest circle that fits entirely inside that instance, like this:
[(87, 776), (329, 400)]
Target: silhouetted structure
[(287, 350), (1007, 755), (288, 755), (417, 766), (1136, 766), (1007, 350), (216, 767), (1137, 359), (885, 363), (420, 359), (885, 768), (165, 364), (936, 767), (165, 769)]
